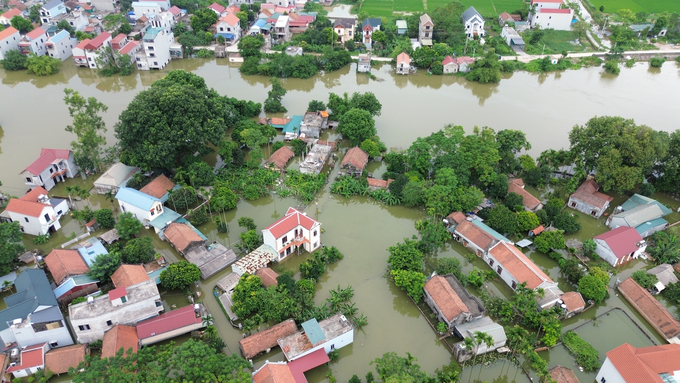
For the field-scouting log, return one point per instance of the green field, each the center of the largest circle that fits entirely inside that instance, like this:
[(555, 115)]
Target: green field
[(649, 6), (488, 8)]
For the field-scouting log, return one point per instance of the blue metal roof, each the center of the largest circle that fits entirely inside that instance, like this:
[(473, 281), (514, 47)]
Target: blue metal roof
[(156, 275), (491, 231), (650, 225), (260, 23), (228, 36), (59, 36), (291, 126), (168, 216), (136, 198), (90, 251), (313, 331), (72, 282), (638, 199)]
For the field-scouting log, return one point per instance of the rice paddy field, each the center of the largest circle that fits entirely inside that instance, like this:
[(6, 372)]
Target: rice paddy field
[(649, 6), (488, 8)]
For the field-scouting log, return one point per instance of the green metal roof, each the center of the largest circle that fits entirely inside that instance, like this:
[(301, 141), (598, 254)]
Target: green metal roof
[(650, 225), (313, 331), (638, 199)]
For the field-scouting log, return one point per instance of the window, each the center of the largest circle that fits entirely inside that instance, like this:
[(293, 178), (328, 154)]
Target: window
[(155, 63), (51, 171), (603, 380), (514, 285), (491, 262), (315, 233), (26, 218), (332, 347), (427, 27), (47, 217), (159, 304), (499, 270), (221, 29), (138, 59), (109, 323), (152, 55), (284, 239), (150, 48), (54, 343), (84, 327), (427, 34), (350, 33), (60, 212), (29, 179)]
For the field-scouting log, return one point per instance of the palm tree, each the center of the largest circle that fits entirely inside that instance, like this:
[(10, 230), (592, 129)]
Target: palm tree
[(84, 194), (109, 196), (489, 341), (208, 320), (667, 248), (72, 190)]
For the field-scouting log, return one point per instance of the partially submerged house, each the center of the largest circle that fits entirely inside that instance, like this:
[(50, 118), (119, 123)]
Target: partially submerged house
[(293, 231), (129, 275), (36, 212), (268, 276), (572, 303), (265, 340), (330, 334), (665, 275), (364, 62), (627, 364), (190, 243), (61, 359), (530, 202), (255, 260), (114, 178), (403, 63), (450, 302), (476, 236), (227, 285), (587, 199), (468, 329), (120, 336), (159, 187), (642, 213), (316, 158), (279, 159), (620, 245), (313, 123), (562, 374), (69, 271), (354, 162), (171, 324), (31, 360), (375, 184), (450, 65), (651, 309)]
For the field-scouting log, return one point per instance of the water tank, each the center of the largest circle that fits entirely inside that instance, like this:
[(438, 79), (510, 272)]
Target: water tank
[(563, 306), (197, 307), (90, 300)]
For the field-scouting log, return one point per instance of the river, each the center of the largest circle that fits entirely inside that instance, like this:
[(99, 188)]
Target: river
[(545, 107)]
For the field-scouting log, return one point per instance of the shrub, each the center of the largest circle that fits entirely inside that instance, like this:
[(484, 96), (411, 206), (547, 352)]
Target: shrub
[(180, 275), (647, 190), (657, 62), (612, 66), (104, 218), (586, 355), (644, 279)]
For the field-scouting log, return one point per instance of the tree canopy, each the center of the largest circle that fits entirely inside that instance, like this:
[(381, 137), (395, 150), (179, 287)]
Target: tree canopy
[(357, 125), (89, 128), (180, 275), (10, 245)]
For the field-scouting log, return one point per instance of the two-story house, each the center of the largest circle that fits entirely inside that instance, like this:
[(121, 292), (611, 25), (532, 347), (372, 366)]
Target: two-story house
[(6, 17), (474, 23), (403, 63), (36, 212), (369, 26), (282, 29), (34, 42), (143, 206), (78, 53), (51, 9), (217, 8), (425, 30), (293, 231), (123, 305), (9, 41), (32, 314), (229, 27), (53, 166), (61, 45), (344, 28), (95, 49), (68, 270)]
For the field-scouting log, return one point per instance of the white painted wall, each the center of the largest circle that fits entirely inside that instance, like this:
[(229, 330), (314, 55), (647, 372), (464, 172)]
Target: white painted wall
[(556, 21), (9, 43), (333, 344), (609, 374)]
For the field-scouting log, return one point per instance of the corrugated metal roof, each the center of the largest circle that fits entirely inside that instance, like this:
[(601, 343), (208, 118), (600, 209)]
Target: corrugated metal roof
[(313, 331)]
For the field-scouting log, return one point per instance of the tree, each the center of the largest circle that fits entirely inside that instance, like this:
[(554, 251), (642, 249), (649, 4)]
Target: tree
[(499, 187), (645, 279), (589, 246), (371, 148), (89, 128), (413, 194), (449, 266), (410, 281), (182, 198), (10, 245), (104, 218), (566, 221), (357, 125), (510, 144), (14, 60), (128, 226), (104, 266), (180, 275), (180, 29), (395, 369), (593, 288), (249, 46), (550, 240), (433, 235), (203, 19), (247, 222), (581, 28), (223, 198), (315, 106), (514, 202), (503, 220), (527, 220), (138, 250), (42, 65), (273, 102), (405, 256), (22, 25), (64, 25), (667, 249), (177, 116), (486, 70), (250, 240)]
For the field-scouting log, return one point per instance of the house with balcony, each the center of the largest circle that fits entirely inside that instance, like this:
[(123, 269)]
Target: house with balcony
[(294, 231), (95, 49), (51, 9), (474, 23), (68, 269), (425, 30), (9, 41), (619, 246), (53, 166), (156, 49), (369, 26), (34, 42), (32, 314), (123, 305), (344, 28), (282, 29), (61, 45), (229, 27), (78, 53), (36, 212)]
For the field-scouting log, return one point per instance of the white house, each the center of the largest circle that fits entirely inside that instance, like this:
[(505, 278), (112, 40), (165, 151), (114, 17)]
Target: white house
[(9, 41), (164, 4), (330, 334), (450, 65), (31, 360), (114, 177), (282, 28), (281, 3), (546, 4), (78, 53), (369, 26), (293, 231), (469, 329), (549, 18), (6, 18), (61, 45), (78, 20), (141, 8), (156, 49), (474, 23), (654, 364), (123, 305), (34, 42), (51, 9), (143, 206), (53, 166), (229, 27), (36, 212), (96, 47), (620, 245), (425, 30), (32, 314)]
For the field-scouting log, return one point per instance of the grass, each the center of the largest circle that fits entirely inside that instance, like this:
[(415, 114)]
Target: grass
[(555, 42), (487, 8), (649, 6)]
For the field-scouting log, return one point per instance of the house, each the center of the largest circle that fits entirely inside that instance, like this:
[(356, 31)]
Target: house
[(450, 65), (425, 30), (587, 199), (142, 206), (120, 336), (4, 364), (474, 23), (31, 360), (344, 28), (171, 324), (464, 63), (50, 10), (507, 19), (628, 364), (280, 3), (665, 275), (450, 302), (268, 276), (279, 159), (572, 303), (330, 334), (354, 162), (536, 231), (36, 212), (477, 236), (119, 42), (530, 202), (235, 58), (641, 29), (6, 17), (229, 27), (620, 245), (96, 48), (255, 260), (68, 270), (557, 19), (144, 8), (77, 19), (454, 219), (239, 2), (562, 374), (61, 359), (364, 63), (274, 372), (156, 49), (546, 4), (34, 42), (177, 12), (123, 305), (159, 187), (60, 46), (402, 27), (368, 26), (32, 314), (189, 242), (114, 178), (469, 329), (282, 29), (217, 8), (316, 158), (291, 232), (642, 213), (259, 27), (313, 123), (512, 38), (183, 238), (129, 275), (90, 248), (78, 53), (227, 285), (53, 166), (9, 41), (374, 184), (100, 5), (652, 310), (403, 63), (293, 51), (265, 340)]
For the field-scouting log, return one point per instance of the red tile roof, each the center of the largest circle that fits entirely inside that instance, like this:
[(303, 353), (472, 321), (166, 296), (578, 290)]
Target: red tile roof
[(98, 41), (355, 157), (119, 37), (528, 200), (563, 375), (175, 10), (11, 13), (621, 240), (261, 341), (475, 234), (644, 365), (181, 236), (653, 311), (538, 230), (457, 216), (158, 187), (312, 360), (548, 10), (274, 373), (518, 265), (61, 359), (34, 34), (28, 205), (280, 121), (588, 193), (290, 221), (65, 263), (128, 275), (446, 299), (117, 337), (465, 60), (7, 32), (83, 44), (31, 356), (216, 7), (167, 322), (376, 183), (129, 47), (47, 158), (573, 301), (118, 292), (268, 276), (404, 57), (449, 60), (230, 19), (281, 157)]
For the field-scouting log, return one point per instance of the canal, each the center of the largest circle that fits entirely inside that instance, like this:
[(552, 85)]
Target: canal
[(545, 107)]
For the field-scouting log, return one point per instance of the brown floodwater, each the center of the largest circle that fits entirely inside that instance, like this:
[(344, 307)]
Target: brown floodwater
[(545, 107)]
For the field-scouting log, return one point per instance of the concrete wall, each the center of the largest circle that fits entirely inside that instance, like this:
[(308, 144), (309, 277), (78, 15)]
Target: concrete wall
[(26, 336), (333, 344), (556, 21), (586, 208), (129, 314), (10, 43), (170, 334)]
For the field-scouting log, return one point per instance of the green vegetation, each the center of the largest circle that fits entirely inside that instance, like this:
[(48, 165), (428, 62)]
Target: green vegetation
[(644, 279), (104, 218), (593, 288), (138, 250), (43, 65), (550, 41), (657, 62), (104, 266), (13, 60), (180, 275), (89, 128), (648, 6), (586, 355), (128, 226), (10, 245)]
